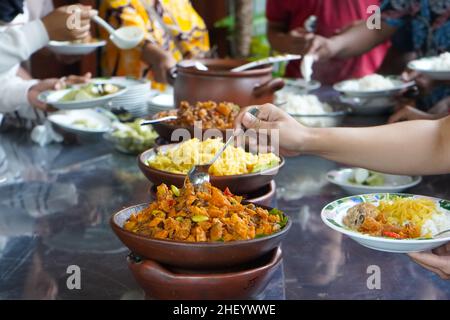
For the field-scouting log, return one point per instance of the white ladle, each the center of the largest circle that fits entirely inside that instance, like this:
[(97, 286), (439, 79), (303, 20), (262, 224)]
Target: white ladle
[(125, 37)]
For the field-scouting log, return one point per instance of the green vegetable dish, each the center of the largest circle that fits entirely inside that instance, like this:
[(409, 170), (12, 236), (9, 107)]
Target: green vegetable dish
[(89, 91), (367, 178)]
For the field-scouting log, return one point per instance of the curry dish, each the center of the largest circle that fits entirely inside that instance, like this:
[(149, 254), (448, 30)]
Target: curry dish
[(211, 114), (207, 214)]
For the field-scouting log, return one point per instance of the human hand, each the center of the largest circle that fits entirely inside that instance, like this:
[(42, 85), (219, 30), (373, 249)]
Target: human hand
[(52, 84), (271, 118), (409, 113), (321, 47), (160, 62), (58, 22), (423, 82), (437, 261)]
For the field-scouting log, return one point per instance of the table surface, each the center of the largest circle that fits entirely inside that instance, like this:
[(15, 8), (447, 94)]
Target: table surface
[(56, 201)]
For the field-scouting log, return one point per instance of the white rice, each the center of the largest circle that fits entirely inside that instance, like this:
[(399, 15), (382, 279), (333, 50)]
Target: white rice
[(441, 62), (297, 104), (438, 222), (368, 83)]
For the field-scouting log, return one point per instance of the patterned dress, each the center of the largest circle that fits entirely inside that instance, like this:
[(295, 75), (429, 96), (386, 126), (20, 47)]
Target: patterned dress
[(423, 27), (184, 34)]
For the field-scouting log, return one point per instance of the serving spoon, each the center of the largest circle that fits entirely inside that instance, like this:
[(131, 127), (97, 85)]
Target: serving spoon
[(125, 37), (198, 175), (162, 119)]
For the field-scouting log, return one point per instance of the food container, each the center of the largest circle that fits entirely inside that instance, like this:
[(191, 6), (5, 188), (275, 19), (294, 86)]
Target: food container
[(218, 83), (243, 282)]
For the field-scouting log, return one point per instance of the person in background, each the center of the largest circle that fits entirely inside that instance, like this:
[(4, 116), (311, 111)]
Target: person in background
[(286, 33), (18, 43), (410, 112), (18, 92), (428, 25), (173, 31), (412, 148)]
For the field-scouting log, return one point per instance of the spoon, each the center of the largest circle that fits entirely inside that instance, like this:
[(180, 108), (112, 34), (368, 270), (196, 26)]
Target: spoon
[(125, 37), (168, 118), (198, 175), (440, 233), (270, 60)]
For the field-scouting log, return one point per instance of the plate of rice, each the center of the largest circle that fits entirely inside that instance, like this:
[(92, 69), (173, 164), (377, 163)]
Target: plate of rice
[(437, 67), (391, 222), (373, 85)]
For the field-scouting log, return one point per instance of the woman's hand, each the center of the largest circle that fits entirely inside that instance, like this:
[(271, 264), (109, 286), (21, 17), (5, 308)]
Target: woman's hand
[(437, 261), (160, 61), (270, 118), (52, 84), (58, 23), (410, 113)]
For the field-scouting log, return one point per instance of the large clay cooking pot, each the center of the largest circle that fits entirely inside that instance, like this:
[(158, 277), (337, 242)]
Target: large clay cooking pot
[(219, 84)]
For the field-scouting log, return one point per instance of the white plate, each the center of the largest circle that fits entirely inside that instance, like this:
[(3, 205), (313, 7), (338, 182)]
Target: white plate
[(334, 212), (399, 86), (162, 101), (423, 66), (302, 84), (65, 119), (69, 48), (392, 183), (52, 98)]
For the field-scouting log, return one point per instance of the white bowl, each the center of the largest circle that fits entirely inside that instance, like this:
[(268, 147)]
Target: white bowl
[(77, 49), (424, 66), (392, 183), (370, 106), (53, 97), (65, 121), (333, 213)]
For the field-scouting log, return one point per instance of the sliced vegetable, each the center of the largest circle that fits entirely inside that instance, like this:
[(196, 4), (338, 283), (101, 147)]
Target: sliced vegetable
[(175, 190), (199, 218)]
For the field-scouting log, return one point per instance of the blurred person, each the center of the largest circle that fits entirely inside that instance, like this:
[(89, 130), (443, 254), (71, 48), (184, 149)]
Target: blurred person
[(183, 36), (427, 22), (418, 147), (19, 42), (19, 92), (286, 33)]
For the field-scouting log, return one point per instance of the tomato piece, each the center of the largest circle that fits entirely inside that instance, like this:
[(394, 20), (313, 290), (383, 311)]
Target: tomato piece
[(227, 192), (391, 234)]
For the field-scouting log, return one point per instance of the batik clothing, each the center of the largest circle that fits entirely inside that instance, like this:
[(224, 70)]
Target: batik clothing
[(183, 34)]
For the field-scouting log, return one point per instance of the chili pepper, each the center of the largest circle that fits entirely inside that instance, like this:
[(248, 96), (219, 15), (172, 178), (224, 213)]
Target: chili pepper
[(227, 192), (391, 234)]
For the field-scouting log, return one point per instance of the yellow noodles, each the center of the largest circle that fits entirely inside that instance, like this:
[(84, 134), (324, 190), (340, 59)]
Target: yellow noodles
[(233, 160), (406, 210)]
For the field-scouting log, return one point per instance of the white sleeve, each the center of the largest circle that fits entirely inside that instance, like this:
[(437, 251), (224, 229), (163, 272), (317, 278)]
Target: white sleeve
[(14, 94), (17, 44)]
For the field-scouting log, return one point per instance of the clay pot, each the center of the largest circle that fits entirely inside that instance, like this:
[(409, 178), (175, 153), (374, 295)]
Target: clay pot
[(218, 83), (247, 281), (195, 255)]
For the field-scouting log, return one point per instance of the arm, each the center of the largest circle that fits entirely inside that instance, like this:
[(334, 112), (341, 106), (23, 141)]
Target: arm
[(353, 42), (17, 44), (413, 147)]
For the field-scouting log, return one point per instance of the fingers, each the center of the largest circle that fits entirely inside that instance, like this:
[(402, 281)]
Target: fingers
[(433, 262), (398, 116)]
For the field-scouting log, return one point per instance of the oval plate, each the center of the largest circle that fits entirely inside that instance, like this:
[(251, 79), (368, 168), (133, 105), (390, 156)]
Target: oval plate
[(423, 66), (78, 49), (52, 98), (333, 213), (393, 183), (399, 86)]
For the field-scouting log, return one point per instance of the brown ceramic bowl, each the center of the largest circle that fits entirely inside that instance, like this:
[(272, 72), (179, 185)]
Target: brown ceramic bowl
[(166, 129), (263, 196), (247, 281), (194, 255), (238, 184)]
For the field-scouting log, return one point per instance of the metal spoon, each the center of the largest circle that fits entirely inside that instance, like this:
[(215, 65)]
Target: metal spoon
[(440, 233), (162, 119), (198, 175)]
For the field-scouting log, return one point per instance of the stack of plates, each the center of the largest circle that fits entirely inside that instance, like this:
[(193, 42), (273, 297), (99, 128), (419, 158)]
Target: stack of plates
[(135, 99), (161, 101)]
